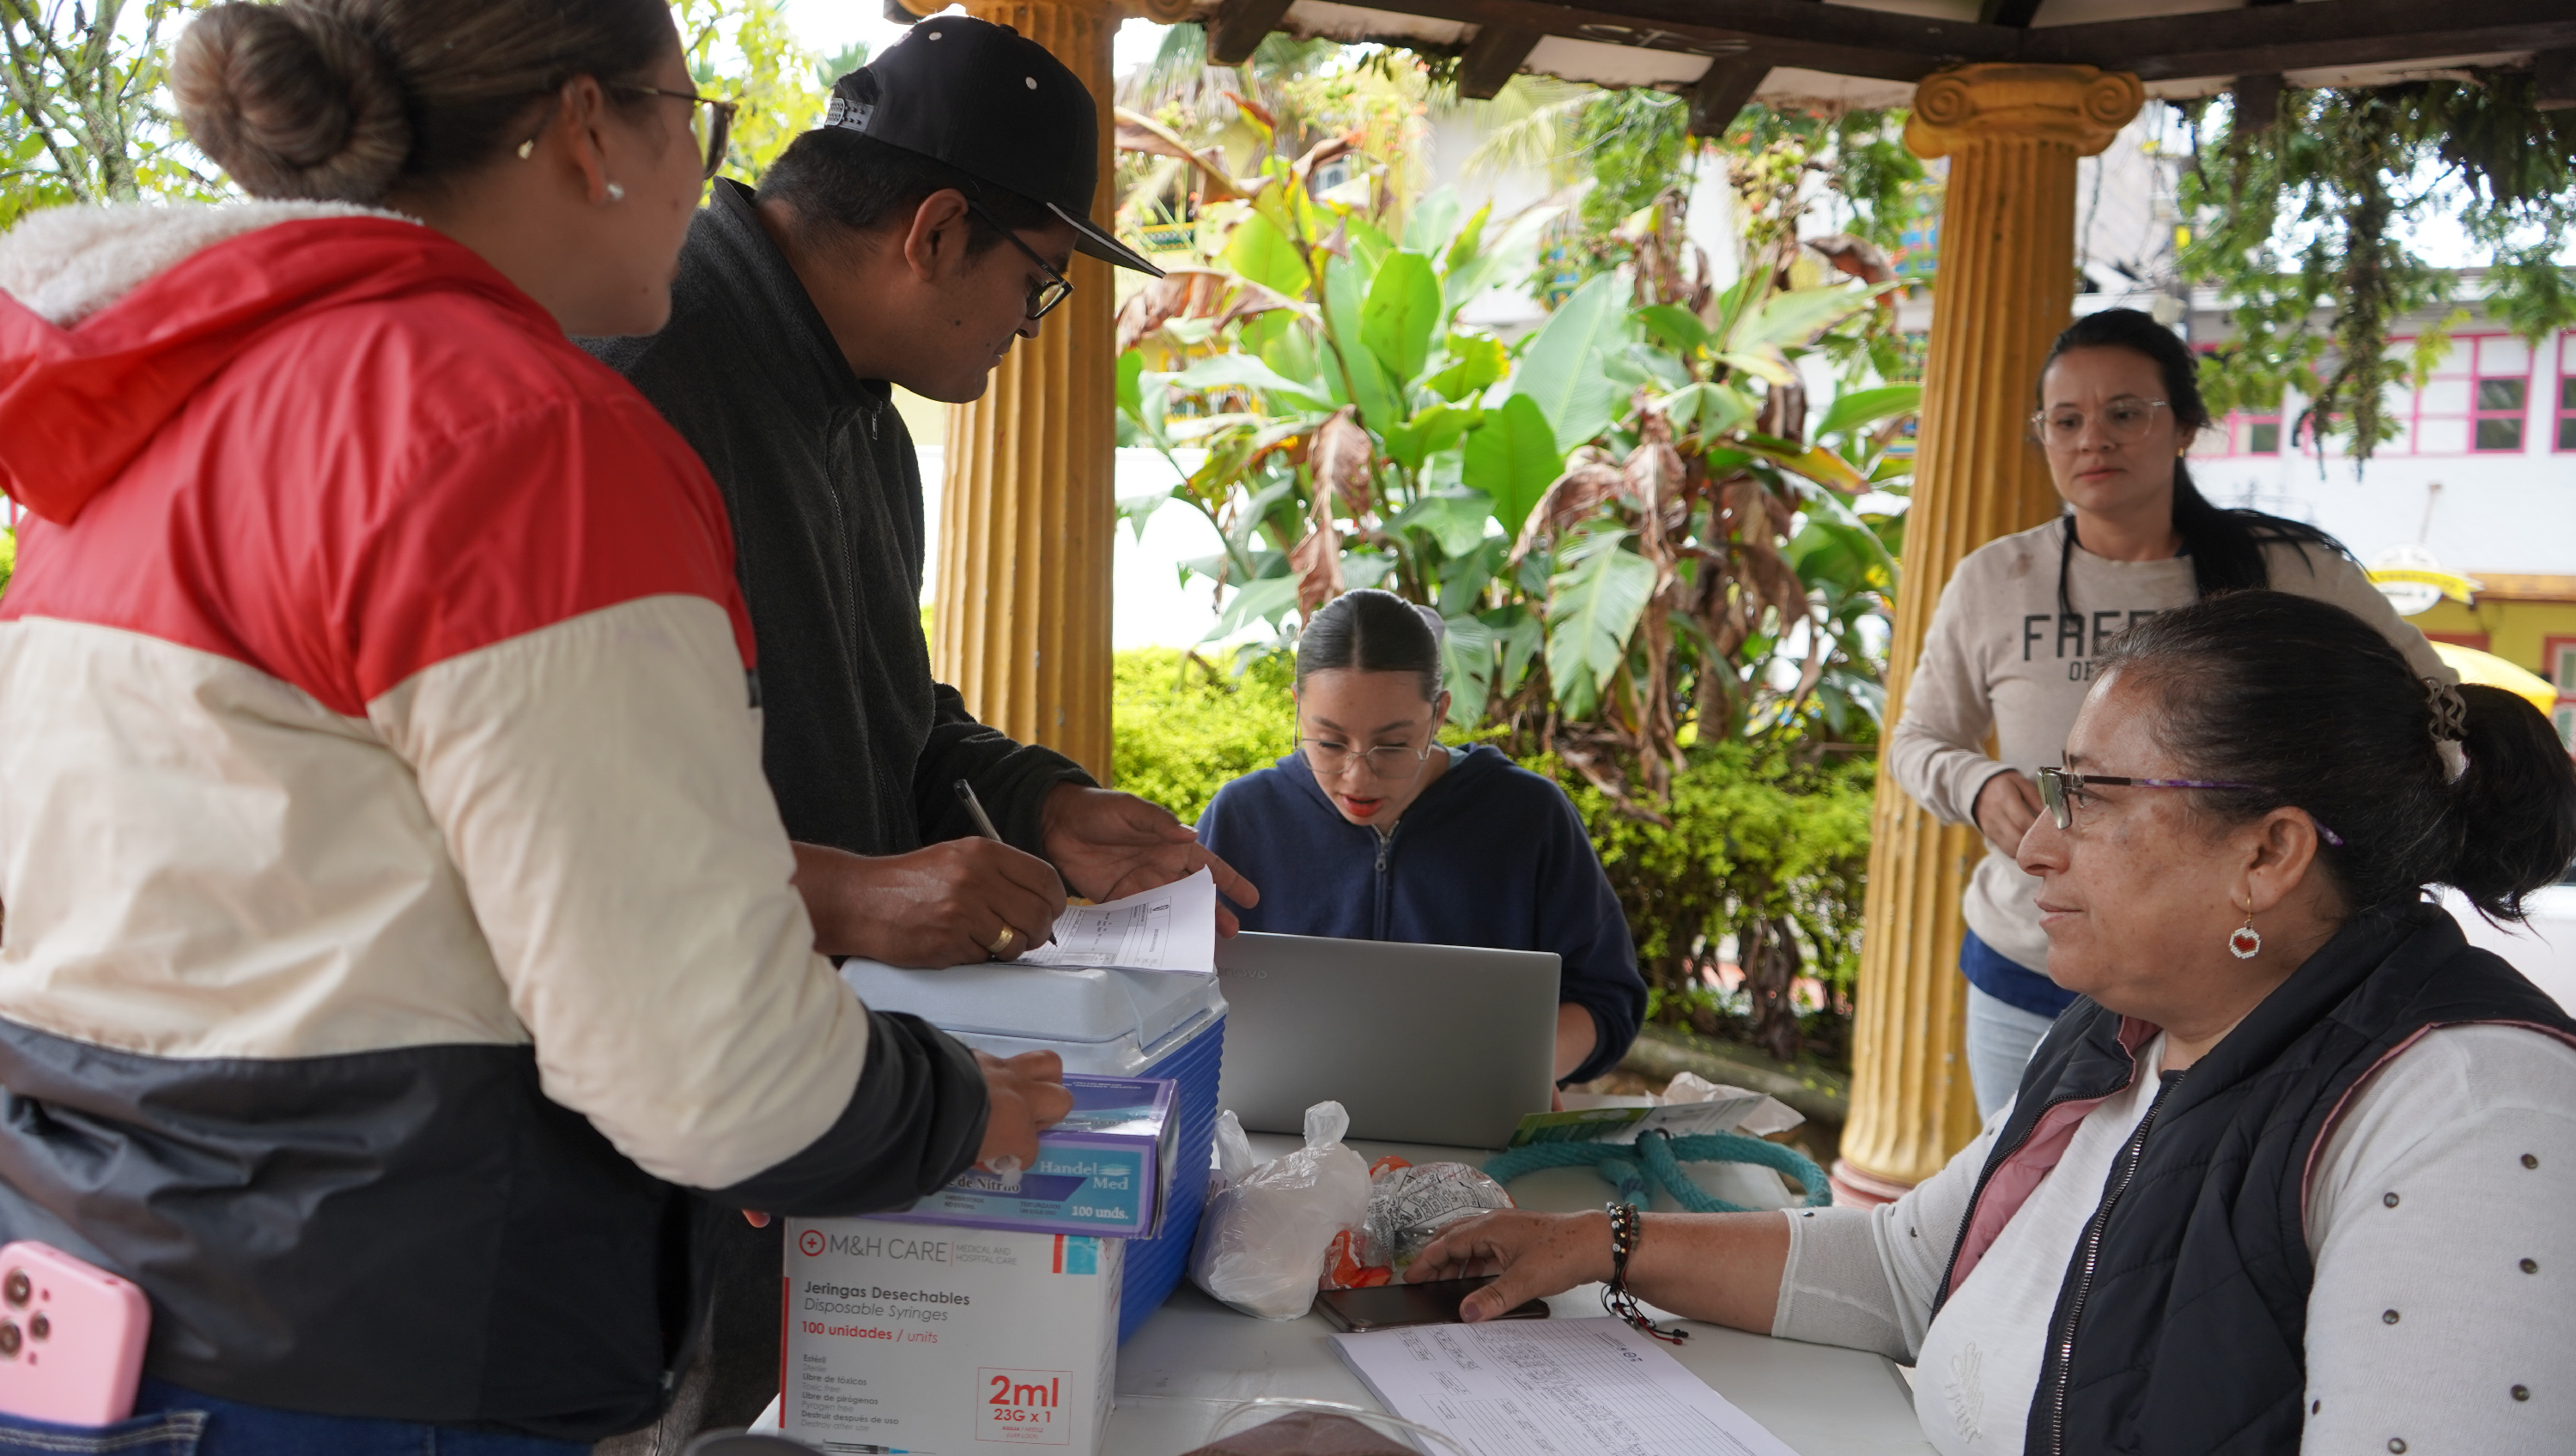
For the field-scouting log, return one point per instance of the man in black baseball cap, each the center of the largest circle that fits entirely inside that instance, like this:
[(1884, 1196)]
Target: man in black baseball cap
[(911, 239)]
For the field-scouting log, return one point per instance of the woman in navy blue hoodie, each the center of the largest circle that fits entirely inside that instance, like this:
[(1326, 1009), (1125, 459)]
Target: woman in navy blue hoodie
[(1373, 830)]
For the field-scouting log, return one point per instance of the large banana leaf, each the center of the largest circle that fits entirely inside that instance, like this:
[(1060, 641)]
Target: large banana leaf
[(1467, 652), (1561, 368), (1594, 601), (1513, 458), (1261, 252), (1794, 318), (1403, 307), (1246, 371), (1455, 518), (1354, 370), (1859, 407), (1433, 224)]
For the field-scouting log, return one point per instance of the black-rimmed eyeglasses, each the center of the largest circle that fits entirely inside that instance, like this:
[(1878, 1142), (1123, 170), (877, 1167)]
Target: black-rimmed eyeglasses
[(1045, 296), (710, 121), (2059, 788)]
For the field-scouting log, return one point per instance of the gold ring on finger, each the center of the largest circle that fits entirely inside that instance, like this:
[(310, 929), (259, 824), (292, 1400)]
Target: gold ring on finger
[(1003, 942)]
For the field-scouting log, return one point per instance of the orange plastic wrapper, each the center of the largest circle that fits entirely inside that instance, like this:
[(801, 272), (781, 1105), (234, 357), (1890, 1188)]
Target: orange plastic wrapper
[(1408, 1206)]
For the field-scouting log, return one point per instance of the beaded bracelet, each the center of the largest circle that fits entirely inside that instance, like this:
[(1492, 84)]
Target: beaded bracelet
[(1626, 1227)]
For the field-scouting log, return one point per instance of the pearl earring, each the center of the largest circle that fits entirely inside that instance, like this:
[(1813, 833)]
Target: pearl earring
[(2245, 942), (616, 193), (527, 149)]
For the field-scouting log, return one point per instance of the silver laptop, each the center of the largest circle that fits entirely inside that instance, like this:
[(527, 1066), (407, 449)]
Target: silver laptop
[(1440, 1044)]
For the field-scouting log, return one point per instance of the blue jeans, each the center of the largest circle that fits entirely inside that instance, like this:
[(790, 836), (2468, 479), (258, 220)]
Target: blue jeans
[(2001, 1037), (169, 1421)]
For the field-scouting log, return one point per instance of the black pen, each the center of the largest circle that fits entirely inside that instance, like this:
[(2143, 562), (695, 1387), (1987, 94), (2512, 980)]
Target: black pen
[(975, 811)]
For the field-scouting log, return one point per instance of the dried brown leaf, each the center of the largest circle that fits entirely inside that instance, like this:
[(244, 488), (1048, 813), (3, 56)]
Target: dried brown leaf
[(1590, 478), (1137, 133), (1317, 560), (1179, 293), (1341, 458), (1857, 257), (1322, 152)]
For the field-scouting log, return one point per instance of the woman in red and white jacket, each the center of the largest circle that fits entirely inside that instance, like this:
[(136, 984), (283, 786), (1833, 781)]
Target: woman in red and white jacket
[(396, 910)]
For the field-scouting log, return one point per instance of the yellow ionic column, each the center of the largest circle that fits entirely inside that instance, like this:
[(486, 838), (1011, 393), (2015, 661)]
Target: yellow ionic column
[(2005, 287), (1028, 508)]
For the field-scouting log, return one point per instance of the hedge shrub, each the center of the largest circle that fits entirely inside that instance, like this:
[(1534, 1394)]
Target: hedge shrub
[(1183, 727), (1763, 847)]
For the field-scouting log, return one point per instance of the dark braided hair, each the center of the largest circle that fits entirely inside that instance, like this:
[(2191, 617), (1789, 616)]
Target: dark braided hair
[(2308, 700), (2226, 546)]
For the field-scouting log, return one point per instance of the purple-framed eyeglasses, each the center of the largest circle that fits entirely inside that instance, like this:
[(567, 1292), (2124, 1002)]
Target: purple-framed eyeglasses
[(2057, 786)]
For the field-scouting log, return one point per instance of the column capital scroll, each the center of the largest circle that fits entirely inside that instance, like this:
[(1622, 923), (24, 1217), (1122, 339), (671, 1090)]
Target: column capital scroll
[(2081, 106)]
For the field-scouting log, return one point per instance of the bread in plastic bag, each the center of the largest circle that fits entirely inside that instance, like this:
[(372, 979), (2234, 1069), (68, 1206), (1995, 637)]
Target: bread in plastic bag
[(1262, 1241)]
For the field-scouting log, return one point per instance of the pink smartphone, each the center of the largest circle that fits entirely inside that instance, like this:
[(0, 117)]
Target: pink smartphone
[(71, 1338)]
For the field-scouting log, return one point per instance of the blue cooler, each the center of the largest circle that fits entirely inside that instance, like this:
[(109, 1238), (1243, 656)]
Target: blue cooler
[(1109, 1023)]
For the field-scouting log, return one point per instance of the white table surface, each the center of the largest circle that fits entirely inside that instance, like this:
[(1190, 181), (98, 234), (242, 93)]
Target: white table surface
[(1195, 1359)]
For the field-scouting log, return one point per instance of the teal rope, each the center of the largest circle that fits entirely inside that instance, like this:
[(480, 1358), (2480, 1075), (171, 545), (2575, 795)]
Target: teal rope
[(1655, 1162)]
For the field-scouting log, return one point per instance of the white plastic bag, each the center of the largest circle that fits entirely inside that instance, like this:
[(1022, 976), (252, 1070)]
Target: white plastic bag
[(1267, 1230), (1770, 1116)]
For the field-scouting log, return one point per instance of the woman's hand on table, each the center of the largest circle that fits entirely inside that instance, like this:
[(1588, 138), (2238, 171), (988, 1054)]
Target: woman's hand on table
[(1027, 1093), (1721, 1267), (1531, 1255)]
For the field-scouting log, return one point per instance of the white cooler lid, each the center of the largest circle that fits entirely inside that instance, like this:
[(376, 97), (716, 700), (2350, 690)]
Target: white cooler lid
[(1041, 1003)]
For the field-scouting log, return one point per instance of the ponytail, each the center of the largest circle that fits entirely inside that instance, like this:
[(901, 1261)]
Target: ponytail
[(2515, 803)]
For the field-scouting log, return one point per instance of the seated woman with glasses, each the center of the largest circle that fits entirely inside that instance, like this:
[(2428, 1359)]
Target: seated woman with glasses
[(2293, 1171), (2023, 622), (1373, 830)]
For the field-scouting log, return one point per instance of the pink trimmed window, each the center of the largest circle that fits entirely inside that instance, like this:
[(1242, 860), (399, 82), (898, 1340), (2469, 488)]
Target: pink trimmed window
[(2565, 403), (2476, 401)]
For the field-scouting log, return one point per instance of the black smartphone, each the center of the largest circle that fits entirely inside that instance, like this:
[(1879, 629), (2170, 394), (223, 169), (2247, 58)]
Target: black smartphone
[(1392, 1306)]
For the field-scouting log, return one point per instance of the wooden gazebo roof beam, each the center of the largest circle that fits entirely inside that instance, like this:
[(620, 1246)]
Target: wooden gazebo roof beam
[(1852, 40)]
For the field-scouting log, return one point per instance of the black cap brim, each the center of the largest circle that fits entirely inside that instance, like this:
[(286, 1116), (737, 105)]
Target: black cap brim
[(1098, 242)]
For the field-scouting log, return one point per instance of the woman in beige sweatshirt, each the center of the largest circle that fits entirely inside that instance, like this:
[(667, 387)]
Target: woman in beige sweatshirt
[(2013, 643)]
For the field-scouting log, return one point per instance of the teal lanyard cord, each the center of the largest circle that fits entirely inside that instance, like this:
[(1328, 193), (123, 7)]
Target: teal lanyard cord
[(1655, 1162)]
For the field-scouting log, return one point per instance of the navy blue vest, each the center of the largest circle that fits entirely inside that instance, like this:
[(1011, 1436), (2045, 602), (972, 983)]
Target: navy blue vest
[(2182, 1327)]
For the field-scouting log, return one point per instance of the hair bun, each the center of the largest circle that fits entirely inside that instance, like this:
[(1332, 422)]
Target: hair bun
[(293, 101)]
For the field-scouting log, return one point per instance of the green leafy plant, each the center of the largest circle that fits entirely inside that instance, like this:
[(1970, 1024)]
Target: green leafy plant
[(1611, 515)]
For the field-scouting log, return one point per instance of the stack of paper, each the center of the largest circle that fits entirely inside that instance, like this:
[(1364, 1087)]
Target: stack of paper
[(1587, 1387), (1172, 928)]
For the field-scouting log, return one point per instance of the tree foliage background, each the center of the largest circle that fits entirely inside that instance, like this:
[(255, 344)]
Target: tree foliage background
[(87, 115), (2304, 225)]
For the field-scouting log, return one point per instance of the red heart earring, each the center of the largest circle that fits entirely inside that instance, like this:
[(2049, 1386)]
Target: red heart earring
[(2245, 942)]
